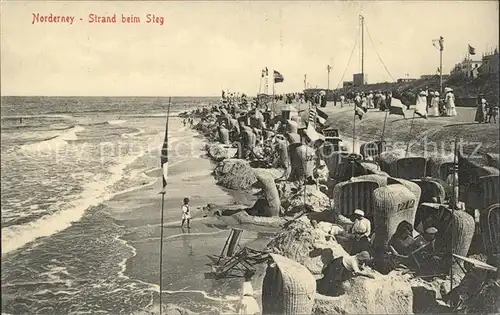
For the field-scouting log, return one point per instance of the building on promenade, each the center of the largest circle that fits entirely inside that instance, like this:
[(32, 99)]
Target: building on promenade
[(467, 67), (489, 63), (406, 80), (359, 79), (347, 84)]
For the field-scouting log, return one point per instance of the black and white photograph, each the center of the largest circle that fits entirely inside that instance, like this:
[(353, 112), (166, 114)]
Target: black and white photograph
[(250, 157)]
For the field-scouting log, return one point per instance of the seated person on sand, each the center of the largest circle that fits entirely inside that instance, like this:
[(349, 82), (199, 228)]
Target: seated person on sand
[(321, 173), (359, 233), (402, 240), (342, 269)]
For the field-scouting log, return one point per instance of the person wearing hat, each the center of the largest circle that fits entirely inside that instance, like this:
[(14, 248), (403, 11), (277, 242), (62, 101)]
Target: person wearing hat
[(321, 173), (342, 269), (450, 102), (360, 233), (434, 106)]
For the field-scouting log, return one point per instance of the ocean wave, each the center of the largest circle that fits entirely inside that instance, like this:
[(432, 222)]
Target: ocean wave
[(94, 193), (116, 122), (36, 116), (55, 141), (133, 134)]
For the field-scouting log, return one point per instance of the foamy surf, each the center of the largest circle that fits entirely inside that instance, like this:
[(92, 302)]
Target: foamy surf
[(14, 237), (53, 143), (116, 122)]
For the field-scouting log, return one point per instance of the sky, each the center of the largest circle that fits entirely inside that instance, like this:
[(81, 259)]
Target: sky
[(203, 47)]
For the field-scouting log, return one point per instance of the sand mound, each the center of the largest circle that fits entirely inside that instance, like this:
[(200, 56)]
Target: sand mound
[(219, 152), (314, 198), (391, 294), (306, 245), (234, 174)]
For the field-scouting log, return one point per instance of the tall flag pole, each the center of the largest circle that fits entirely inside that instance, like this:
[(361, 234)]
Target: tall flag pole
[(409, 134), (277, 78), (266, 81), (164, 166), (454, 204)]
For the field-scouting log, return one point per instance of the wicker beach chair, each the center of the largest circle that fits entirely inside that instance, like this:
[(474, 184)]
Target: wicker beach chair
[(438, 166), (335, 163), (352, 195), (455, 232), (432, 190), (411, 167), (490, 232), (492, 159), (489, 188), (373, 148), (392, 205), (379, 178), (288, 288), (414, 188), (223, 135)]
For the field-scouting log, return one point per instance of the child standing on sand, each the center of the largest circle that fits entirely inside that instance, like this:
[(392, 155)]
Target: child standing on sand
[(186, 213)]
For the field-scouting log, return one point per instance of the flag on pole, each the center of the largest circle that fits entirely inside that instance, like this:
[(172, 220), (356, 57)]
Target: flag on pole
[(278, 77), (435, 43), (359, 111), (396, 110), (312, 115), (438, 43), (312, 134), (321, 117), (472, 50), (164, 151)]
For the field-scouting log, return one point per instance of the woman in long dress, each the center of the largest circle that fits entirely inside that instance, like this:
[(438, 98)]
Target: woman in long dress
[(434, 106), (481, 110), (421, 105), (450, 103)]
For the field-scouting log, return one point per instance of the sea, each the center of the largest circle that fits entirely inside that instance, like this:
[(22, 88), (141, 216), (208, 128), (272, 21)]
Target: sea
[(81, 209)]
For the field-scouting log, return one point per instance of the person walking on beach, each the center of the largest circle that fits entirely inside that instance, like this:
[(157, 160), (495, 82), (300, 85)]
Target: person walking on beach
[(481, 109), (186, 213), (450, 102), (434, 107)]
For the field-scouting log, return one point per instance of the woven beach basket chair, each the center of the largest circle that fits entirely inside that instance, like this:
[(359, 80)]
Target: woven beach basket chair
[(288, 288), (292, 126), (380, 178), (223, 135), (493, 159), (490, 232), (334, 162), (438, 165), (308, 159), (392, 205), (372, 148), (432, 190), (411, 167), (295, 162), (458, 231), (489, 189), (414, 188), (282, 150), (387, 161), (266, 182), (357, 194)]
